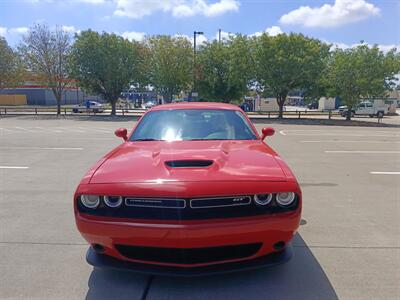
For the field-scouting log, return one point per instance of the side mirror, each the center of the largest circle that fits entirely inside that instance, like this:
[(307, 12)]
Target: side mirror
[(122, 133), (267, 131)]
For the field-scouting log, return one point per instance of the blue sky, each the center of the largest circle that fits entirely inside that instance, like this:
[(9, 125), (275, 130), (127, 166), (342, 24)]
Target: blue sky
[(345, 22)]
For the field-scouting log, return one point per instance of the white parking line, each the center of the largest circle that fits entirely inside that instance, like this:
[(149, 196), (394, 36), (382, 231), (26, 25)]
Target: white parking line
[(13, 167), (361, 151), (385, 173), (346, 141), (24, 129), (311, 132), (39, 148)]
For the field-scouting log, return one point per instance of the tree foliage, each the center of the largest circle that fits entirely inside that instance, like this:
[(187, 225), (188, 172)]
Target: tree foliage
[(45, 53), (287, 62), (170, 64), (361, 72), (104, 64), (226, 69), (10, 65)]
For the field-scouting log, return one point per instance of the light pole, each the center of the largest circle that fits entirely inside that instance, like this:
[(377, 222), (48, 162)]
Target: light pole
[(195, 33)]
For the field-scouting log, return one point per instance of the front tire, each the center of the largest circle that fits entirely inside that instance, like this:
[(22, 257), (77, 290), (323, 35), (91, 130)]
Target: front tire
[(380, 114)]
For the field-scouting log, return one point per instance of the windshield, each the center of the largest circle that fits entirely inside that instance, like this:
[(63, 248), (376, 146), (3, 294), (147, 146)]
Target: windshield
[(194, 124)]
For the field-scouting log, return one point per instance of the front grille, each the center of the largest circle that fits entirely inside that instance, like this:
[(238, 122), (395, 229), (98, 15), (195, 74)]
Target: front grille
[(189, 255), (220, 202), (186, 209), (155, 202)]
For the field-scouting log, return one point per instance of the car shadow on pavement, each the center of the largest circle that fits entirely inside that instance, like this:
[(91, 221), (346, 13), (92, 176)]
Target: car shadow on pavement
[(301, 278)]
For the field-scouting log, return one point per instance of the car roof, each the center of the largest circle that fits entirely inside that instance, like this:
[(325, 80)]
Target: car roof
[(195, 105)]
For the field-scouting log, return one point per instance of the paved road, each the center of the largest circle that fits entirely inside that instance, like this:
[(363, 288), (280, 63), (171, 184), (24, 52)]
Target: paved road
[(348, 246)]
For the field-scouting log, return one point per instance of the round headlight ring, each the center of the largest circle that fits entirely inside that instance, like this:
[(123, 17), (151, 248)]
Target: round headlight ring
[(113, 201), (263, 199), (285, 199), (90, 201)]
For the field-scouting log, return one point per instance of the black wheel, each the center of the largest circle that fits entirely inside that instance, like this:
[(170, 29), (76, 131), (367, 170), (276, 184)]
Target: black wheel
[(380, 114), (371, 116), (75, 110), (95, 110)]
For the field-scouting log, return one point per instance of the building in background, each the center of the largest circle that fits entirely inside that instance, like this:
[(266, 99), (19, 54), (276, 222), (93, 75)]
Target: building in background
[(43, 95)]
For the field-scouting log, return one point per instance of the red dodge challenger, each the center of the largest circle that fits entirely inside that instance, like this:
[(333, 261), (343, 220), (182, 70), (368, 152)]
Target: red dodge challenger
[(192, 190)]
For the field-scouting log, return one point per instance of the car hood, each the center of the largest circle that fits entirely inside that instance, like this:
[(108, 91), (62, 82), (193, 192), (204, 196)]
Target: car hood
[(158, 162)]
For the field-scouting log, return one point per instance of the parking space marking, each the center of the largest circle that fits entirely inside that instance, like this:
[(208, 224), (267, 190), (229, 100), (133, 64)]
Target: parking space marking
[(39, 148), (13, 167), (361, 151), (385, 173), (24, 129), (311, 132)]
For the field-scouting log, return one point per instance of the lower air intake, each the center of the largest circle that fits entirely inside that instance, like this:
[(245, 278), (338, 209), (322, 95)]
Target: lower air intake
[(189, 255)]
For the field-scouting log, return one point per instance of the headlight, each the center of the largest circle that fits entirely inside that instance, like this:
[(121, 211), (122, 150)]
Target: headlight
[(263, 199), (113, 201), (285, 199), (90, 201)]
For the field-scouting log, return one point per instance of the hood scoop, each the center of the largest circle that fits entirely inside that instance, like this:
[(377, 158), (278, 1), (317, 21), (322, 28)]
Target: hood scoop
[(189, 163)]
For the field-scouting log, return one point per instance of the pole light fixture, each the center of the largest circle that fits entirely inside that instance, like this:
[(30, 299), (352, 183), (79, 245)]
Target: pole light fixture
[(195, 34)]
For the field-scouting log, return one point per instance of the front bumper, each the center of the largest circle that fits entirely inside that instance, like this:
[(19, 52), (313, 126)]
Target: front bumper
[(180, 235), (104, 261), (266, 231)]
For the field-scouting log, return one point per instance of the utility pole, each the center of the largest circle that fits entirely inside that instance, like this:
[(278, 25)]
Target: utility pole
[(219, 35), (195, 33)]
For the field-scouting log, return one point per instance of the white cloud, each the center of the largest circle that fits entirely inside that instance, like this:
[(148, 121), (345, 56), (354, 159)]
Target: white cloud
[(133, 35), (178, 8), (18, 30), (200, 38), (383, 47), (3, 31), (271, 31), (188, 9), (69, 29), (340, 13)]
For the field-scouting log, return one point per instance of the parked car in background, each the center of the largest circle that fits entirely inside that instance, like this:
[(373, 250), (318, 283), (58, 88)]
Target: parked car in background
[(149, 104), (91, 106), (365, 108), (313, 105), (342, 109)]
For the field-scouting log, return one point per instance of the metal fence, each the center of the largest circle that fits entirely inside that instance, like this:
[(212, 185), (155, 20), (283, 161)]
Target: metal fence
[(139, 112)]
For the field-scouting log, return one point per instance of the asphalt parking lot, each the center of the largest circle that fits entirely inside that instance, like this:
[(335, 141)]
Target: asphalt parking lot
[(348, 246)]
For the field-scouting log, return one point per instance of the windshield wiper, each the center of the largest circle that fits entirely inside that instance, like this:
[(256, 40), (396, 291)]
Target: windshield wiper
[(145, 140), (207, 140)]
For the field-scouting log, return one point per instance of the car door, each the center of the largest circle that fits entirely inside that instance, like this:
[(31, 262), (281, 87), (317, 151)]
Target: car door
[(369, 108), (361, 108)]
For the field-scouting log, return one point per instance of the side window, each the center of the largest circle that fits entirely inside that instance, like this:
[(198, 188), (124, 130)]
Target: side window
[(369, 104)]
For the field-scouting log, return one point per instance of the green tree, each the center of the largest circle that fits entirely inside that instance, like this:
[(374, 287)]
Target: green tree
[(361, 72), (225, 69), (287, 62), (104, 64), (10, 65), (170, 64), (45, 53)]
